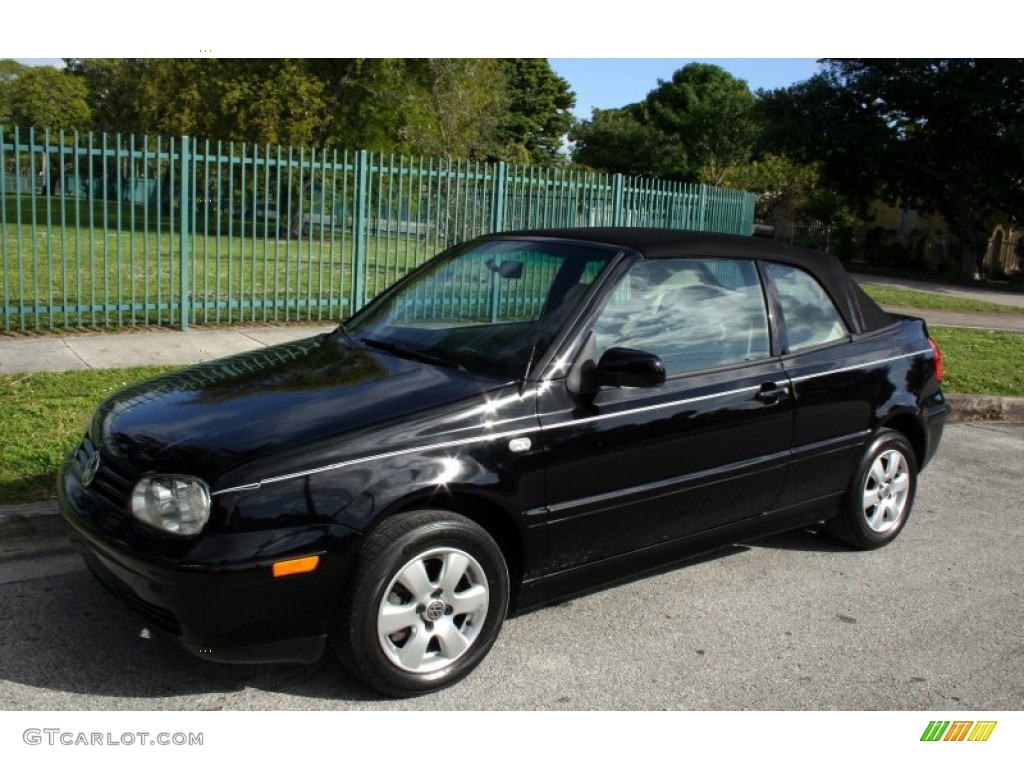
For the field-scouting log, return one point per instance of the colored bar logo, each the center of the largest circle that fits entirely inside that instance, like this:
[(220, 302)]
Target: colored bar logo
[(958, 730)]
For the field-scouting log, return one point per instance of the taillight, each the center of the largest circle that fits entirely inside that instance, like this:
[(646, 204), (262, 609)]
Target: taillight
[(938, 359)]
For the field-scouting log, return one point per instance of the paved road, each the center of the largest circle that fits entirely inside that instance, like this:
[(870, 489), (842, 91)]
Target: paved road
[(933, 622)]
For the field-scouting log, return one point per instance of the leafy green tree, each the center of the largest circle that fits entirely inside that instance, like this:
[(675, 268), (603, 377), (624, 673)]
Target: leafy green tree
[(453, 107), (943, 135), (712, 115), (117, 90), (255, 100), (693, 127), (41, 97), (538, 114), (9, 69), (623, 141), (275, 101), (363, 103), (776, 180), (505, 108)]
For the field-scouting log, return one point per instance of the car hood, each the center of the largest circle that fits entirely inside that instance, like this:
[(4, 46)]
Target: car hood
[(213, 417)]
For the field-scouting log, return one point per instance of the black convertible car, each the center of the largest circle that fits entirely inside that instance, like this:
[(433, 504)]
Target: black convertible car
[(526, 416)]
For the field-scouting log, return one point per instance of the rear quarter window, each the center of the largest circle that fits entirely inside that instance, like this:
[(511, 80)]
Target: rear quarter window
[(808, 314)]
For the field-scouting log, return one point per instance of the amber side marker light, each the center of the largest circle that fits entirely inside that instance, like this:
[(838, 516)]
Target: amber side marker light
[(300, 565)]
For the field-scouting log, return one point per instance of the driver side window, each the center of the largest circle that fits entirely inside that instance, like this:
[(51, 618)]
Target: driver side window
[(692, 313)]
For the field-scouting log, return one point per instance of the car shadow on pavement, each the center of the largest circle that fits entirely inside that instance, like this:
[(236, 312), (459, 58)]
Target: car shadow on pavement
[(812, 539), (67, 634)]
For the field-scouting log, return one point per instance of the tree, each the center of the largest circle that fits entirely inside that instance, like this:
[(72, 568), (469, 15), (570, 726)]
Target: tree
[(41, 97), (10, 69), (623, 141), (363, 103), (453, 107), (538, 115), (775, 180), (273, 101), (514, 109), (711, 113), (117, 92), (942, 135), (693, 127)]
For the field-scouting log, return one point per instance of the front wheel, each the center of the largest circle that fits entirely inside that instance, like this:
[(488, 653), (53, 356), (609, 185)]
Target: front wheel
[(426, 603), (881, 494)]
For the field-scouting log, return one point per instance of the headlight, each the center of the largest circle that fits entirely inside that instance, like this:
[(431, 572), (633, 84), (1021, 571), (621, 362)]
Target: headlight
[(174, 504)]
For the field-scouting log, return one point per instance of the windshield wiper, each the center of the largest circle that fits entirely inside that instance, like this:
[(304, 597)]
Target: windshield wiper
[(347, 334), (410, 352)]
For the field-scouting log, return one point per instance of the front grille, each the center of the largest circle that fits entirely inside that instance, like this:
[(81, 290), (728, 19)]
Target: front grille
[(111, 483)]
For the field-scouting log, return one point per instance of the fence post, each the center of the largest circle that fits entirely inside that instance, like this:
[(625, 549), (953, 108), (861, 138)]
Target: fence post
[(499, 191), (360, 227), (749, 211), (703, 222), (3, 240), (618, 198), (185, 223)]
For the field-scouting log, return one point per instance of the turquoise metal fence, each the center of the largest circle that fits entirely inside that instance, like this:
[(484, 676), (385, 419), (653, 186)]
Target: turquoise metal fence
[(108, 230)]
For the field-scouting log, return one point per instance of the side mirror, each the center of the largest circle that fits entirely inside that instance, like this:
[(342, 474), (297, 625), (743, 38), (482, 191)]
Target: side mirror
[(507, 269), (620, 367)]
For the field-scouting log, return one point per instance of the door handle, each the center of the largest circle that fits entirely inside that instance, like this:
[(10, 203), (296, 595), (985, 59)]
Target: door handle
[(771, 393)]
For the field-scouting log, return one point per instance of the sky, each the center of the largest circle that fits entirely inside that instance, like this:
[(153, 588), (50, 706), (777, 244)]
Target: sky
[(606, 83)]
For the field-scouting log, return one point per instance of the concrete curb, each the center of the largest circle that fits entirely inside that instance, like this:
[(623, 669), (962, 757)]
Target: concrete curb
[(24, 525), (985, 408)]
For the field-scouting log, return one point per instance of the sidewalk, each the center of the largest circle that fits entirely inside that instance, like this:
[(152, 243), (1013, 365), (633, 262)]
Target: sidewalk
[(981, 293), (979, 320), (148, 346)]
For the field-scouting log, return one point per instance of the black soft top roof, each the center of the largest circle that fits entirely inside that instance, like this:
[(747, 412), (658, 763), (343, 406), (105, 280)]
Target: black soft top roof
[(861, 313)]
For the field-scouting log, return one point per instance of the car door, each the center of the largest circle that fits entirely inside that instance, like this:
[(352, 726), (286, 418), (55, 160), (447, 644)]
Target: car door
[(837, 384), (633, 467)]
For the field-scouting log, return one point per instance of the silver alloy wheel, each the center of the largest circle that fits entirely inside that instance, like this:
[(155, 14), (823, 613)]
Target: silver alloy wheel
[(433, 610), (886, 491)]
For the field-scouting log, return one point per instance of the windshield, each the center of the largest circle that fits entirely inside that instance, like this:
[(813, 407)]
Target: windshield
[(490, 307)]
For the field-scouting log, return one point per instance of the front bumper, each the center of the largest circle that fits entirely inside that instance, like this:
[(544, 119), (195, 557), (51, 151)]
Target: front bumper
[(228, 607)]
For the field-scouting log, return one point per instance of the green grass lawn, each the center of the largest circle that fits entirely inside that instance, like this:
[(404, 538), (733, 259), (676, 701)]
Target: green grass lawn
[(898, 297), (45, 413), (981, 362), (71, 267)]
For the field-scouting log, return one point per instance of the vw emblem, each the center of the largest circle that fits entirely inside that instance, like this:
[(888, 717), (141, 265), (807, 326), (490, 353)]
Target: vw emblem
[(92, 466), (435, 610)]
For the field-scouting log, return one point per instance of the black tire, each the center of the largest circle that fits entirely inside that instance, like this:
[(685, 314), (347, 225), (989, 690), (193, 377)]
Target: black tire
[(444, 623), (881, 494)]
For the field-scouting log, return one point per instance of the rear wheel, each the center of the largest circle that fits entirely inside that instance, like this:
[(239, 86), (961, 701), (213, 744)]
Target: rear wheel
[(881, 494), (425, 605)]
